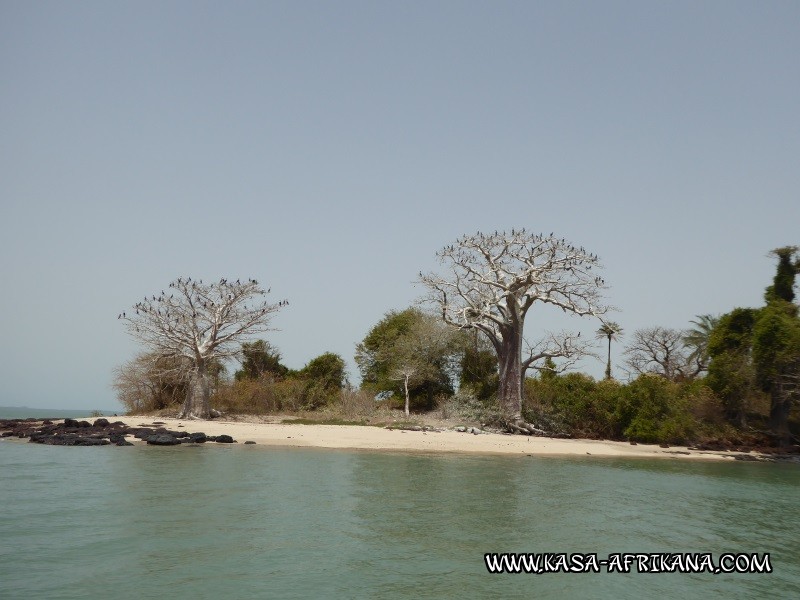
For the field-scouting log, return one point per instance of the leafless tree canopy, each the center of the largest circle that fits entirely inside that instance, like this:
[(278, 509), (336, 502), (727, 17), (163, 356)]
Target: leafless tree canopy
[(199, 322), (493, 280), (664, 352)]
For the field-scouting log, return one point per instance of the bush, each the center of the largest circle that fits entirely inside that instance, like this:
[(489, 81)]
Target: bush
[(655, 410), (573, 403), (259, 396), (465, 406)]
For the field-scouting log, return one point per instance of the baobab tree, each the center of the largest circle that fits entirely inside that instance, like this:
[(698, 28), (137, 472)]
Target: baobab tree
[(612, 331), (196, 323), (662, 351), (491, 283)]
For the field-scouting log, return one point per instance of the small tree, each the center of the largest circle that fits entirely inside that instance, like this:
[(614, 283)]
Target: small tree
[(410, 341), (198, 323), (492, 281), (417, 356)]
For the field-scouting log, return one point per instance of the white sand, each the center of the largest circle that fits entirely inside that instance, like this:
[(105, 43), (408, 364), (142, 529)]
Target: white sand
[(376, 438)]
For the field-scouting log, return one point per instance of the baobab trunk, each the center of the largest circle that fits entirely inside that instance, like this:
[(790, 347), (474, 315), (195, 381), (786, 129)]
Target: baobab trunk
[(510, 367), (197, 404)]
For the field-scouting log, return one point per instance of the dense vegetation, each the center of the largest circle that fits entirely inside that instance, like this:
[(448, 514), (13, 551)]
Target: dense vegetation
[(733, 378)]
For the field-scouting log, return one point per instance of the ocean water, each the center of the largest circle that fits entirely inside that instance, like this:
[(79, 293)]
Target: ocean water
[(24, 412), (257, 522)]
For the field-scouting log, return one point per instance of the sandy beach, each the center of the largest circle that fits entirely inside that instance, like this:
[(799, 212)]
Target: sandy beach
[(378, 438)]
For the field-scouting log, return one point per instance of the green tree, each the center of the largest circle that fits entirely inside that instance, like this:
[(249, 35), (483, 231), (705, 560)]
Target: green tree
[(323, 377), (612, 331), (776, 355), (412, 348), (759, 349), (731, 374), (260, 358), (328, 369)]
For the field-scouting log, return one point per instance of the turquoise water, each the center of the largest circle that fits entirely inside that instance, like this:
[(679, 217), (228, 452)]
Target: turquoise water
[(255, 522)]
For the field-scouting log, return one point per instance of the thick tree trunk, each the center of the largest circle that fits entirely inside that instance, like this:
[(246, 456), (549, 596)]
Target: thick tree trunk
[(197, 405), (608, 365), (510, 391)]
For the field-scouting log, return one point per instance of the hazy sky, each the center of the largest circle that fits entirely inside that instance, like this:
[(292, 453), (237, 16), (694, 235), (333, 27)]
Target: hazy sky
[(329, 149)]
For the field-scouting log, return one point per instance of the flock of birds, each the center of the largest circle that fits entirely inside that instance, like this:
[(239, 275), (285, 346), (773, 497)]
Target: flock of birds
[(187, 287)]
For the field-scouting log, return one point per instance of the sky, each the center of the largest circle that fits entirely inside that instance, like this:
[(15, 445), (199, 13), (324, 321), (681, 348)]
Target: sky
[(329, 149)]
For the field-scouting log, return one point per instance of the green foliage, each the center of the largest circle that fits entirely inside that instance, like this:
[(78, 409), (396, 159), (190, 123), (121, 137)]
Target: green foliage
[(478, 372), (754, 349), (782, 287), (408, 341), (731, 374), (650, 409), (611, 331), (574, 403), (653, 409), (732, 377), (323, 377), (733, 332), (328, 370), (776, 343), (260, 358)]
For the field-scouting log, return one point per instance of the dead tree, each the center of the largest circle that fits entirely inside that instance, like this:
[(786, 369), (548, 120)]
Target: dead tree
[(491, 283), (662, 351), (197, 323)]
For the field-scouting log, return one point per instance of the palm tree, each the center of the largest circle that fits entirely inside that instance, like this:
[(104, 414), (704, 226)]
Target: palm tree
[(697, 339), (612, 331)]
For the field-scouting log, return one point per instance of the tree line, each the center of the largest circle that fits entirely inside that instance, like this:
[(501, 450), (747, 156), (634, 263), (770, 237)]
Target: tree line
[(464, 346)]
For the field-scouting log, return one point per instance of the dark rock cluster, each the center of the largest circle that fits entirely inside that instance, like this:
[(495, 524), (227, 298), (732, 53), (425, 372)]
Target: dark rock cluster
[(100, 433)]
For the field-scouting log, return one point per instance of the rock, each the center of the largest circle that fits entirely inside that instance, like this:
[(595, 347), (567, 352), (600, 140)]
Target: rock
[(224, 439), (101, 423), (84, 441), (142, 433), (249, 442), (162, 439), (198, 438), (71, 423)]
